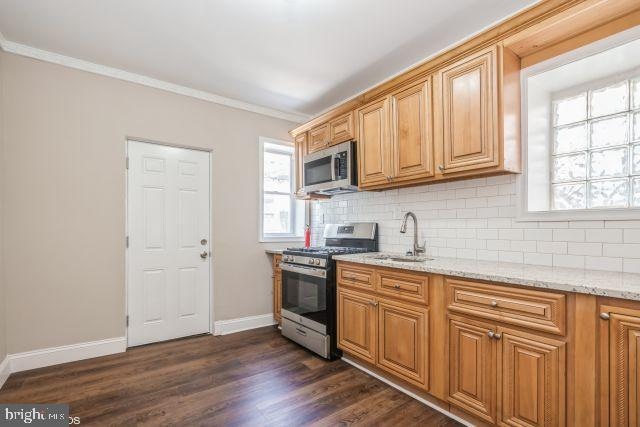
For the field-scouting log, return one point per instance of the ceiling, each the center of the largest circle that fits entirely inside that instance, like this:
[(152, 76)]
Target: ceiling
[(300, 56)]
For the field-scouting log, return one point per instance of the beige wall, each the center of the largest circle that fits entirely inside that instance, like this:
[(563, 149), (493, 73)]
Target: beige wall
[(65, 190), (3, 346)]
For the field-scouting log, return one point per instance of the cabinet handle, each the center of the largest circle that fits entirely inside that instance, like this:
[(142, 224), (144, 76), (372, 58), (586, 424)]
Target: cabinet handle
[(494, 335), (605, 316), (373, 303), (396, 286), (494, 303)]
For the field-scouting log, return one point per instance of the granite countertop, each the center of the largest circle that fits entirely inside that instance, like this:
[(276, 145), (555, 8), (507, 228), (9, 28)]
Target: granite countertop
[(594, 282), (274, 251)]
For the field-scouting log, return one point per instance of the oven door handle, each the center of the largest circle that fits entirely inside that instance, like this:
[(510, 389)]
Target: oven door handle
[(316, 272)]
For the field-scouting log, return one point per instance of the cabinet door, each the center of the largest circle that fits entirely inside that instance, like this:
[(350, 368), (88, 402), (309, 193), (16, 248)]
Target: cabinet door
[(411, 133), (374, 146), (318, 138), (277, 298), (341, 129), (357, 326), (300, 143), (472, 368), (403, 341), (531, 380), (620, 338), (469, 102)]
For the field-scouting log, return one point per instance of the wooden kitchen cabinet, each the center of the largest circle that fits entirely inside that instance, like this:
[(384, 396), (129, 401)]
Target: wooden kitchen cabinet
[(469, 105), (619, 365), (277, 289), (318, 138), (341, 129), (300, 145), (374, 145), (412, 133), (472, 368), (403, 348), (357, 324), (532, 374), (506, 376)]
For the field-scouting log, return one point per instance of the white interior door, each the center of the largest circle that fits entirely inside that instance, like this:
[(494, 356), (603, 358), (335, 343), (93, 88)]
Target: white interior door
[(169, 242)]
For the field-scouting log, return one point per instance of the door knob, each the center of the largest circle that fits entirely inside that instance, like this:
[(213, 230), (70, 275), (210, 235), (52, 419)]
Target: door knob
[(204, 255)]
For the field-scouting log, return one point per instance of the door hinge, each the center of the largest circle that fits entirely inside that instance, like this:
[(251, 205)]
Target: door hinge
[(127, 321), (127, 163), (127, 241)]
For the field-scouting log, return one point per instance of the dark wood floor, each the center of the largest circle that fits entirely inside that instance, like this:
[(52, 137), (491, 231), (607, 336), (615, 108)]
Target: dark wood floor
[(252, 378)]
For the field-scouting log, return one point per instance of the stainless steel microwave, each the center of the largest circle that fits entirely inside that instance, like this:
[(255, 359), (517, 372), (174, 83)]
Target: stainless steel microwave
[(332, 170)]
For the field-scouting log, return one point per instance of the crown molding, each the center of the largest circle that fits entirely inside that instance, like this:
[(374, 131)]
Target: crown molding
[(79, 64)]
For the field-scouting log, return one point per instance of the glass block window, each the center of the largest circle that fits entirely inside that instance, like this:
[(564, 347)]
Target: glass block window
[(596, 148)]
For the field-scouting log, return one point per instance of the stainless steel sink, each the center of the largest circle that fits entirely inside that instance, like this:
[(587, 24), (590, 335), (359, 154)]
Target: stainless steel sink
[(410, 259), (401, 258)]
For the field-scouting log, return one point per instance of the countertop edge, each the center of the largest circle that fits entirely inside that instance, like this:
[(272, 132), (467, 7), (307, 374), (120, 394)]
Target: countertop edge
[(533, 282)]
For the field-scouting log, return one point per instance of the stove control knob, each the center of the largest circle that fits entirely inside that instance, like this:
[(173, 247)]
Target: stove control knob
[(317, 262), (311, 261)]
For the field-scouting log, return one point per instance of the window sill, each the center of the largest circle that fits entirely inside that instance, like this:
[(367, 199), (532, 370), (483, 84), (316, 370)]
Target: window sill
[(580, 215), (281, 239)]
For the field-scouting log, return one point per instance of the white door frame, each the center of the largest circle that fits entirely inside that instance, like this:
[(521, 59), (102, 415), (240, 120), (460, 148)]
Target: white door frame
[(126, 227)]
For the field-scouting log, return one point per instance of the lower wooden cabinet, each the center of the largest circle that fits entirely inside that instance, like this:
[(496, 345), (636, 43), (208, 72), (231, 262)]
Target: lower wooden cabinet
[(402, 341), (472, 368), (277, 289), (506, 376), (532, 377), (392, 335), (620, 366), (357, 325)]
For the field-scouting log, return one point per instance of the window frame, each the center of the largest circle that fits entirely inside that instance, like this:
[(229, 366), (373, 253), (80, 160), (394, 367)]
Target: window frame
[(278, 237), (588, 214)]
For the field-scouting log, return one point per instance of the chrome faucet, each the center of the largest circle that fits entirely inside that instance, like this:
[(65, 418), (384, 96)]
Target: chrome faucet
[(417, 249)]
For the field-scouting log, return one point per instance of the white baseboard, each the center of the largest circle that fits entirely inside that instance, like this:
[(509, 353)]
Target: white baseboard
[(67, 353), (224, 327), (5, 370), (407, 392)]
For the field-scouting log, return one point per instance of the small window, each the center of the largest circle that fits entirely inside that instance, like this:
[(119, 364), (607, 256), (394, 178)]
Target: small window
[(582, 133), (282, 217)]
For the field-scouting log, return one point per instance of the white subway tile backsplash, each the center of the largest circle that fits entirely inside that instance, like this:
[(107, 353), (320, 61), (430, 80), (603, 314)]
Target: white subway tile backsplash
[(581, 248), (569, 235), (476, 219), (604, 236)]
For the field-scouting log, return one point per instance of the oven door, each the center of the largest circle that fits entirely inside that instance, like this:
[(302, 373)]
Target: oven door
[(304, 296)]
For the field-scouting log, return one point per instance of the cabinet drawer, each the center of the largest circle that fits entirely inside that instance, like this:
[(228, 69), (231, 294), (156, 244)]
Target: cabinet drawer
[(356, 276), (545, 311), (404, 286)]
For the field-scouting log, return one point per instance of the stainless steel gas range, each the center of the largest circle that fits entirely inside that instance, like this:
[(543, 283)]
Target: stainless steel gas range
[(309, 285)]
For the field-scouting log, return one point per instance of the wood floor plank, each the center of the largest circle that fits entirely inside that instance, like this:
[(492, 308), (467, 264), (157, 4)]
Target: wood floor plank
[(252, 378)]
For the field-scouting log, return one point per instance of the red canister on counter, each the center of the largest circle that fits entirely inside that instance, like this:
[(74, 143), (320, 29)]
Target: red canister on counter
[(307, 236)]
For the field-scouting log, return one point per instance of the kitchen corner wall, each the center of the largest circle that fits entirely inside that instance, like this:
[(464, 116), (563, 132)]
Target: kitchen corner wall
[(475, 219), (64, 198)]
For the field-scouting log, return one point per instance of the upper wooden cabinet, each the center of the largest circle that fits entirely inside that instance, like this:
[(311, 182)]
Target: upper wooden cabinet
[(374, 145), (469, 105), (318, 138), (300, 145), (412, 133), (620, 366), (341, 129)]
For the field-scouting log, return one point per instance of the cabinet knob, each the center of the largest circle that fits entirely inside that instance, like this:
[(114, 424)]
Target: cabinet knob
[(494, 335), (494, 303), (396, 286), (605, 316), (441, 168)]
